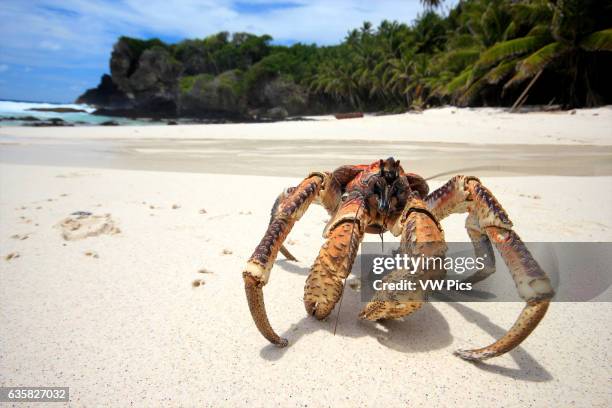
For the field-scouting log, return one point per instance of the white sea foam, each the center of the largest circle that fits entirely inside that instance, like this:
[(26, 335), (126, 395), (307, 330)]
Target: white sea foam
[(12, 107)]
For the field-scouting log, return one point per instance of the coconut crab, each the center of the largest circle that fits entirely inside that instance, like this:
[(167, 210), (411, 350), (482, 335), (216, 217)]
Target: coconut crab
[(382, 197)]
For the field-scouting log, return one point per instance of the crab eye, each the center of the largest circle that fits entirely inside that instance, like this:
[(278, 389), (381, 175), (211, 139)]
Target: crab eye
[(344, 197)]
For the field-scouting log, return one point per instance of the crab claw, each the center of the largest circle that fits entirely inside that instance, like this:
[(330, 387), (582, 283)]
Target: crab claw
[(254, 294), (287, 209), (528, 320)]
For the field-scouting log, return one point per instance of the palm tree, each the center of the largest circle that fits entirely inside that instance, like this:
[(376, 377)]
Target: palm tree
[(399, 76), (480, 50), (337, 80), (432, 3), (562, 43)]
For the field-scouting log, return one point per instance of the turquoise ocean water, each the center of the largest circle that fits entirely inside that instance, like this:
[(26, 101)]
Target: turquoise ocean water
[(14, 109)]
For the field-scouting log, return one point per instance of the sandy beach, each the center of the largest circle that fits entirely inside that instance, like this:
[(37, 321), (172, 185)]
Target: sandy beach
[(488, 141), (149, 309)]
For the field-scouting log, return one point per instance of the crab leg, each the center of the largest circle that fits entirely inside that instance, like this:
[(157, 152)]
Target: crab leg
[(482, 249), (421, 235), (533, 286), (273, 212), (257, 271), (325, 282), (463, 194)]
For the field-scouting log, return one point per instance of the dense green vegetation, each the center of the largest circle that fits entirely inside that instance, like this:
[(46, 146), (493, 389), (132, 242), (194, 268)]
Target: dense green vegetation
[(483, 52)]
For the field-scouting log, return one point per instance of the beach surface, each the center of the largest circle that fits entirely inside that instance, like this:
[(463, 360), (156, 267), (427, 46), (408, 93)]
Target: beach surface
[(142, 302), (487, 141)]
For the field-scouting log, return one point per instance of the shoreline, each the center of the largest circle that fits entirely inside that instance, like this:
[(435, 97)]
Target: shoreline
[(448, 125), (483, 141)]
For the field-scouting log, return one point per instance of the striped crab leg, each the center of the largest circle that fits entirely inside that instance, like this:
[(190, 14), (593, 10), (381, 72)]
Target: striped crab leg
[(420, 235), (257, 271), (344, 233), (322, 188), (274, 212), (487, 217)]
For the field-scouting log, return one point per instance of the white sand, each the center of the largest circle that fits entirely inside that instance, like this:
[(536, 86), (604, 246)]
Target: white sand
[(127, 327)]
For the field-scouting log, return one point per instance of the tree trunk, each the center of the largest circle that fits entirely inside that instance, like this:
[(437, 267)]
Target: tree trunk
[(523, 97)]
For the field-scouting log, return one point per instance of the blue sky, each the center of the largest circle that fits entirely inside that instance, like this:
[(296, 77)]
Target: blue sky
[(54, 50)]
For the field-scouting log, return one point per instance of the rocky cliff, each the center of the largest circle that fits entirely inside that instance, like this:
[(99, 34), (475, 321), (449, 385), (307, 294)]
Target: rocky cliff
[(218, 77)]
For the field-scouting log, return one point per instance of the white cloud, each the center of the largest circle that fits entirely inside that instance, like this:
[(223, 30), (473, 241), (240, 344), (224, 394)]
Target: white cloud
[(80, 33)]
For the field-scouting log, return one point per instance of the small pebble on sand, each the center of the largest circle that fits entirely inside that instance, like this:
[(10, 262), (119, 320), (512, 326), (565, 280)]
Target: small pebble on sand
[(198, 282), (20, 237), (12, 255), (227, 252)]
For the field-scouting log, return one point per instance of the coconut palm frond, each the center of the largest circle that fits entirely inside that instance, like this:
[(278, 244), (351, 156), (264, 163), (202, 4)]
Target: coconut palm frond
[(456, 60), (510, 31), (458, 82), (536, 62), (432, 3), (470, 94), (531, 12), (462, 41), (500, 72), (539, 30), (509, 49), (598, 41)]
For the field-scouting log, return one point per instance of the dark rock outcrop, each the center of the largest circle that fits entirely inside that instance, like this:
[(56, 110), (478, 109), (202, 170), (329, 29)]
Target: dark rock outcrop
[(147, 80), (280, 92), (277, 113), (150, 82), (20, 118), (143, 82), (106, 95), (57, 110), (50, 122), (207, 96)]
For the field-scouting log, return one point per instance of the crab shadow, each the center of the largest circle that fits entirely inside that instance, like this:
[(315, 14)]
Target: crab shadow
[(421, 332), (292, 267)]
